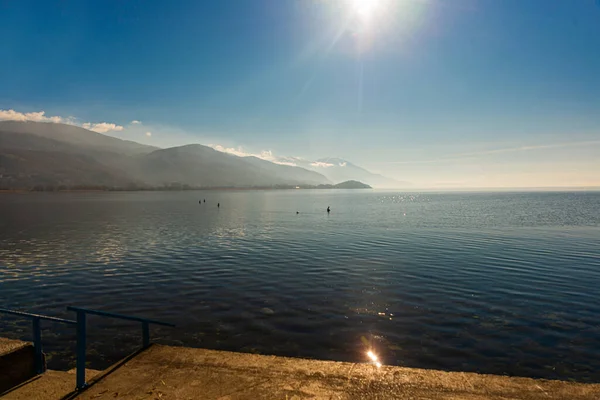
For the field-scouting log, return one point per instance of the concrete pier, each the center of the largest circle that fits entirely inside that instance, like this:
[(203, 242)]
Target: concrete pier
[(164, 372)]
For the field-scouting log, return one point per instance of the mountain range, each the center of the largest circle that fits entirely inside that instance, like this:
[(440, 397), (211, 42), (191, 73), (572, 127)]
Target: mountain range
[(339, 170), (42, 154)]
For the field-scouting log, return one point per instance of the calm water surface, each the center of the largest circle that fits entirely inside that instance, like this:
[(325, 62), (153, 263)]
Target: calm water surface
[(504, 283)]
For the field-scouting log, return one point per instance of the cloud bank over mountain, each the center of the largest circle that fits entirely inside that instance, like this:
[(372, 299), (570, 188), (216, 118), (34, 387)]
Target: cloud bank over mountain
[(335, 169), (40, 116)]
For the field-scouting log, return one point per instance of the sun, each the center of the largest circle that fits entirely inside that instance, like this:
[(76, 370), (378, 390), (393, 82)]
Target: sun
[(365, 10), (373, 24)]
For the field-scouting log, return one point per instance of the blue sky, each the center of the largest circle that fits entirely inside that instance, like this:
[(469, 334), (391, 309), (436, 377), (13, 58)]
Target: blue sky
[(437, 92)]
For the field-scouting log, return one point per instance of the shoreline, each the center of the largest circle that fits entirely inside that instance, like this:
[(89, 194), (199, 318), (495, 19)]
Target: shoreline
[(174, 190)]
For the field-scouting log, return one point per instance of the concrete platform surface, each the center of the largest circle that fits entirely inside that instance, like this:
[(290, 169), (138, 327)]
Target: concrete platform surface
[(9, 345), (163, 372), (50, 385)]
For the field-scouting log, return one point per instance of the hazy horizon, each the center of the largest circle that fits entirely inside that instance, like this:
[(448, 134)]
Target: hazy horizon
[(445, 95)]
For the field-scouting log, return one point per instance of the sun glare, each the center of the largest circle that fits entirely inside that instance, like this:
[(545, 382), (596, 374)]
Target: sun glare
[(365, 8), (366, 11)]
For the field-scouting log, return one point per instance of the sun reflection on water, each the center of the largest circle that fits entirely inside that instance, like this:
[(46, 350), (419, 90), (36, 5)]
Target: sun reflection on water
[(374, 358)]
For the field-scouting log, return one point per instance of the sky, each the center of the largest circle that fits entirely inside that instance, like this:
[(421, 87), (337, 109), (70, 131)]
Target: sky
[(440, 93)]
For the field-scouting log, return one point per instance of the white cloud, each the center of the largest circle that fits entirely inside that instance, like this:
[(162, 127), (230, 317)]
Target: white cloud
[(320, 164), (102, 127), (530, 148), (290, 164), (231, 150), (148, 134), (136, 122), (478, 154), (40, 116), (264, 155)]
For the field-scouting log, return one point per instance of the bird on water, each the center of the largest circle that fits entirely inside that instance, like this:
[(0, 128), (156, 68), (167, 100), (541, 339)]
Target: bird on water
[(328, 209), (218, 205)]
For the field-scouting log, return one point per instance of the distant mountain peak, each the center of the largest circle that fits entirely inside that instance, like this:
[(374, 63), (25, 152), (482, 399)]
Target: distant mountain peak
[(341, 170), (352, 184)]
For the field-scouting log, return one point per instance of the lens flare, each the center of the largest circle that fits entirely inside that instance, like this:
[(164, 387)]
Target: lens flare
[(374, 358), (372, 355)]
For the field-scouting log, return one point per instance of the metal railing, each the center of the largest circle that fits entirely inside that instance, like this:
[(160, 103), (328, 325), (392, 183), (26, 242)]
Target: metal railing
[(37, 333), (81, 335)]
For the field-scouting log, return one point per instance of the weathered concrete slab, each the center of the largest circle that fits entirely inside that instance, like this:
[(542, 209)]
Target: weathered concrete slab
[(9, 345), (51, 385), (163, 372), (17, 363)]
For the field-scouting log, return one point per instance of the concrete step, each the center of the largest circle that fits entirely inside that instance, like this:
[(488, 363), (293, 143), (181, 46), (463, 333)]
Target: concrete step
[(17, 363)]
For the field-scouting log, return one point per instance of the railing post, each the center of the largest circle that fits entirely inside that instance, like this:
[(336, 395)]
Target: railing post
[(81, 336), (145, 334), (37, 345)]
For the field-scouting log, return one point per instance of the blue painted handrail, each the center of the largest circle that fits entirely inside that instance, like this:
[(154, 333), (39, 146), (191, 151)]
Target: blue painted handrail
[(37, 332), (81, 335)]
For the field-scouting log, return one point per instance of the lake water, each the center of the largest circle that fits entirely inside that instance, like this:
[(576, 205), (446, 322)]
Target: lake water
[(504, 283)]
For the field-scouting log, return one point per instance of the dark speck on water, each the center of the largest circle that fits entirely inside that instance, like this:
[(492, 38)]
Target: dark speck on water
[(503, 283)]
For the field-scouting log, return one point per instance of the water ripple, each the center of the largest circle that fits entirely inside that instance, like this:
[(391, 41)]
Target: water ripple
[(497, 283)]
